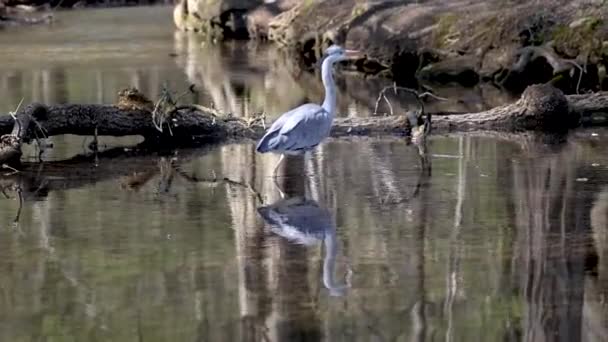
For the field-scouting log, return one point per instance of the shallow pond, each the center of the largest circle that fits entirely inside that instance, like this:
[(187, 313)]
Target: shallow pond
[(492, 237)]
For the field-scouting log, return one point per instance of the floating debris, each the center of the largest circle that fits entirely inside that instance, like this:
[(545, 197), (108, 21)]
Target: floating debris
[(582, 179)]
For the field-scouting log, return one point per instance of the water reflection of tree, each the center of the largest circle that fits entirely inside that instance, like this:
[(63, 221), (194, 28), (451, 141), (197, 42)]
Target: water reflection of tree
[(294, 317), (269, 264), (58, 83), (237, 78), (554, 243), (529, 221), (595, 309)]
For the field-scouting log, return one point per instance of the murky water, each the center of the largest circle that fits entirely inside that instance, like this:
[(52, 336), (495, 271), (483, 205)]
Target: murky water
[(494, 237)]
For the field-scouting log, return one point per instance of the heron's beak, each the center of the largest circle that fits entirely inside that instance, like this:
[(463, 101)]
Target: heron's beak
[(353, 54)]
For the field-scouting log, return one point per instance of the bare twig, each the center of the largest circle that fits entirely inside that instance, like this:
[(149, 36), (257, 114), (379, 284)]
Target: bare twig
[(42, 129), (167, 168), (191, 90), (17, 189), (395, 88), (14, 115), (5, 166), (419, 130), (18, 215), (559, 65), (160, 113), (261, 117), (581, 70), (3, 191), (166, 105), (214, 180), (195, 107)]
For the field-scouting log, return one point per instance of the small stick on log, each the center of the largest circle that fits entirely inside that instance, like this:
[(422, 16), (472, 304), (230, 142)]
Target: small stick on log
[(10, 144), (18, 215), (418, 128)]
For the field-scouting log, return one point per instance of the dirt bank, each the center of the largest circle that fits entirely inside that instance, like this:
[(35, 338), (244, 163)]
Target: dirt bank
[(511, 43)]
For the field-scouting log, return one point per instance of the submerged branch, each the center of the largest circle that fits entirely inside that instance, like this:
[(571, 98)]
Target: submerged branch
[(224, 180)]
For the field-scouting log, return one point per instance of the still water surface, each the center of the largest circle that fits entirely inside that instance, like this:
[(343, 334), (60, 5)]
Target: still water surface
[(495, 238)]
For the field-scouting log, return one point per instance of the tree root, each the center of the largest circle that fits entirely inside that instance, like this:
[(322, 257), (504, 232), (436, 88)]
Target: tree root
[(560, 66)]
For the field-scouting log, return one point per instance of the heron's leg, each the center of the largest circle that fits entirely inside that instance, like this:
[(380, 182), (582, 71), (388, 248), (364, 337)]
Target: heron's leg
[(276, 168), (276, 183)]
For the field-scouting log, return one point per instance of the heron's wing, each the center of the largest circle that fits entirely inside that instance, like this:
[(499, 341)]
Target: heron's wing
[(304, 129), (299, 128), (288, 118)]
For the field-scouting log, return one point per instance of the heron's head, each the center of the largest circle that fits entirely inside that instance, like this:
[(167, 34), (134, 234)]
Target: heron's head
[(338, 53)]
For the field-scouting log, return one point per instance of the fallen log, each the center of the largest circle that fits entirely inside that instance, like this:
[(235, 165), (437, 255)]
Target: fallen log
[(541, 107)]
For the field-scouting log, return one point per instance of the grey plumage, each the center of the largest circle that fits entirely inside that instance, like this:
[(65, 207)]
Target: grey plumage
[(303, 128), (296, 131)]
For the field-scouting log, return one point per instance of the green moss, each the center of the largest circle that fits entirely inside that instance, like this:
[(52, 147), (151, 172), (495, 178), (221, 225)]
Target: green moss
[(489, 29), (307, 4), (445, 28), (582, 38), (357, 10)]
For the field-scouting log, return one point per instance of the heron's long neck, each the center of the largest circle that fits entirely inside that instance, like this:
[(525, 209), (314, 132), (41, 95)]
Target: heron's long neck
[(329, 104)]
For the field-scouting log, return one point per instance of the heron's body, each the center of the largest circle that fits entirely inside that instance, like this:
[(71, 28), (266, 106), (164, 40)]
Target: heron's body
[(297, 131), (303, 128)]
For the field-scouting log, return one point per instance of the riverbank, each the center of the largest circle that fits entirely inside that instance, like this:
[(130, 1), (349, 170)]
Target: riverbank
[(512, 45)]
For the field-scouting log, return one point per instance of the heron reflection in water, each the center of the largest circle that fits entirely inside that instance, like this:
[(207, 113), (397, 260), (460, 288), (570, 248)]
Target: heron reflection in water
[(304, 222), (303, 128)]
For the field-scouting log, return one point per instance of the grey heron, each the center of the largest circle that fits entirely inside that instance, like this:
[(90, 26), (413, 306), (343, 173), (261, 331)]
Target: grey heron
[(304, 222), (303, 128)]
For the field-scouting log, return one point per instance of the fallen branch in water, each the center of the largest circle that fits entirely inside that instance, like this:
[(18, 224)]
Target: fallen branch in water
[(541, 107), (225, 180)]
